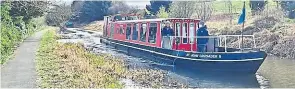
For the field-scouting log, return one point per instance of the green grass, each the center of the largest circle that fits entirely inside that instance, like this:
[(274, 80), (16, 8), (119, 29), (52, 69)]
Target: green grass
[(221, 19), (71, 66), (220, 6)]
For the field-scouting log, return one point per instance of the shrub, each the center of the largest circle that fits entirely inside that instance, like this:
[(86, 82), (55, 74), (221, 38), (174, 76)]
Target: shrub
[(9, 33), (13, 30), (162, 13)]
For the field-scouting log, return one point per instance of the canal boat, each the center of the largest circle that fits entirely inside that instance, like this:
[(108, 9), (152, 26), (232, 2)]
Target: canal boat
[(143, 38)]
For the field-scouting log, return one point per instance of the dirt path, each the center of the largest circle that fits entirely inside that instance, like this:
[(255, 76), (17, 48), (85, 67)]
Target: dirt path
[(20, 72)]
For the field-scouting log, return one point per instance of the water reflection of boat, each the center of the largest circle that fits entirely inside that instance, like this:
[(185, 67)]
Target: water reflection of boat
[(143, 38), (221, 81), (209, 80)]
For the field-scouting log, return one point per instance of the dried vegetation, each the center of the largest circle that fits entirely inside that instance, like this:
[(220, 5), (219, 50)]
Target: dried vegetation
[(71, 66), (95, 26), (272, 34), (68, 65)]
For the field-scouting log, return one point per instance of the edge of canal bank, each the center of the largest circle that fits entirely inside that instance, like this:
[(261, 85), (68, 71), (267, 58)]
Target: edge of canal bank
[(65, 65)]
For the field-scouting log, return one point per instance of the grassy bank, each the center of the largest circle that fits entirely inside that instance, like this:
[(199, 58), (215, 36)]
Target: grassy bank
[(71, 66)]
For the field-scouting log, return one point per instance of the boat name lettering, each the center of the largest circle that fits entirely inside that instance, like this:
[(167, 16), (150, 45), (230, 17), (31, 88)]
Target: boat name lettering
[(205, 56)]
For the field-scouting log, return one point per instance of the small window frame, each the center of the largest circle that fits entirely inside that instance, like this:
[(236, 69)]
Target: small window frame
[(191, 38), (121, 29), (141, 32), (135, 27), (155, 33), (186, 33), (177, 31)]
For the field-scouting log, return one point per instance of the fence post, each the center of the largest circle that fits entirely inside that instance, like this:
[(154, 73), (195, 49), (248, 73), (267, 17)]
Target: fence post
[(254, 41), (239, 42), (225, 49)]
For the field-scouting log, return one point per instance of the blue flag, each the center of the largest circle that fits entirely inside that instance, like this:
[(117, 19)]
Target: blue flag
[(243, 15)]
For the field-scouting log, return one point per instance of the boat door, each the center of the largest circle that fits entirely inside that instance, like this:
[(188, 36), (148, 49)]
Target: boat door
[(185, 32)]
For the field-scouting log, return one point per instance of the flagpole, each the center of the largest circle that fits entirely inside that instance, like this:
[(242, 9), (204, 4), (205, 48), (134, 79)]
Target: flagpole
[(242, 46), (242, 37)]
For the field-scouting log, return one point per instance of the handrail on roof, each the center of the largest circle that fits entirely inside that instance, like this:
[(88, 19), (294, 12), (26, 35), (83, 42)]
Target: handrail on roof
[(220, 38), (138, 17)]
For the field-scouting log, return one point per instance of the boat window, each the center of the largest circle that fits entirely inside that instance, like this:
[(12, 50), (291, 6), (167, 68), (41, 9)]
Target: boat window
[(152, 33), (191, 32), (128, 31), (135, 31), (118, 29), (132, 18), (118, 18), (143, 32), (178, 29), (184, 32), (121, 29)]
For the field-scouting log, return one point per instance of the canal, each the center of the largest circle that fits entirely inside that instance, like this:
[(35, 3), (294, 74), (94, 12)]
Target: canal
[(279, 71)]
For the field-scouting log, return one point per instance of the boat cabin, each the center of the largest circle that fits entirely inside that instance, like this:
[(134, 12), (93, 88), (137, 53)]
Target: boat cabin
[(148, 31), (180, 42)]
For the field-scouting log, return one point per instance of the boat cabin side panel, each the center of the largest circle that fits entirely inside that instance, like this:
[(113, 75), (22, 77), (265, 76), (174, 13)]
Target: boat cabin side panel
[(149, 32), (144, 33)]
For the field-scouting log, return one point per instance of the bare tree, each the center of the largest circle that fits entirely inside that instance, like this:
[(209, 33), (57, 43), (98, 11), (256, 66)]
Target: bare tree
[(120, 7), (59, 14), (28, 9), (182, 9), (204, 10), (134, 9), (186, 9), (76, 6), (230, 10)]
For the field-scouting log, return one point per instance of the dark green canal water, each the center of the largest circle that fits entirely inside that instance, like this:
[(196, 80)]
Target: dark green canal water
[(279, 71)]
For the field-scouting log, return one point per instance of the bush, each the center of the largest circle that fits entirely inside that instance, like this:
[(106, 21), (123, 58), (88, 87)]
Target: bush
[(9, 33), (13, 30), (285, 47), (162, 13)]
